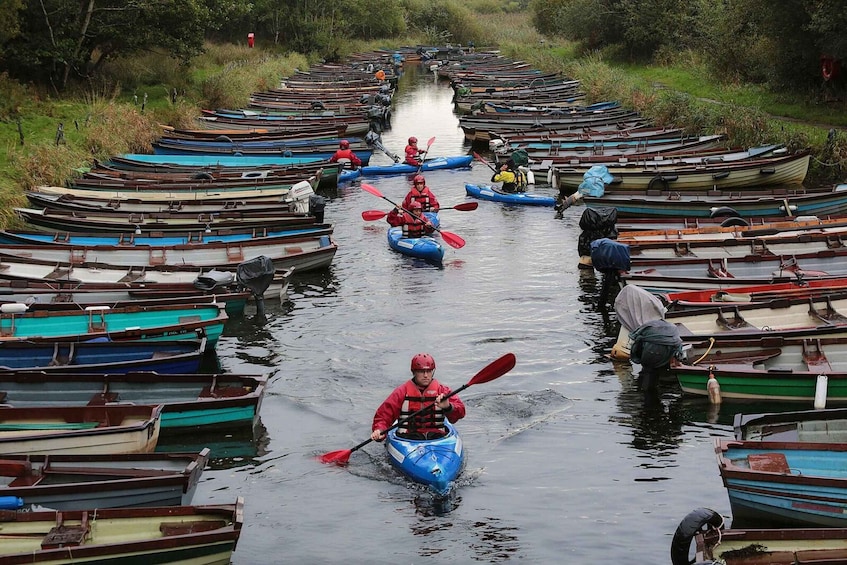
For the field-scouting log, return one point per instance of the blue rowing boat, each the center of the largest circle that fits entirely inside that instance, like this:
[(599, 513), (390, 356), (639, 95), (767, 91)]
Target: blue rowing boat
[(484, 192), (435, 164), (427, 248), (432, 462), (114, 357)]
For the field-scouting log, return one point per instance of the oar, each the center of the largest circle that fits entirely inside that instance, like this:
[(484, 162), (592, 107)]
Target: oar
[(423, 155), (493, 370), (452, 239), (479, 157), (370, 215)]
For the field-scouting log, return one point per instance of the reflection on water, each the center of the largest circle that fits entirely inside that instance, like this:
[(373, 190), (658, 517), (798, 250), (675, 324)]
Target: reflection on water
[(228, 450)]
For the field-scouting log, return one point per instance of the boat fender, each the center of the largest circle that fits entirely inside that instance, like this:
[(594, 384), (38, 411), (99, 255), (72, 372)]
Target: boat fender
[(821, 386), (734, 221), (695, 522), (713, 387), (724, 212), (13, 308), (225, 138), (202, 176)]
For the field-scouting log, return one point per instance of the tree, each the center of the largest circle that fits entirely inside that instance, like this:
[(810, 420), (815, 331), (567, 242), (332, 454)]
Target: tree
[(61, 40)]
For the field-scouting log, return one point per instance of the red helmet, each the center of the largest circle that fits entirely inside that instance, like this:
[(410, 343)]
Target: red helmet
[(418, 178), (344, 144), (415, 205), (423, 362), (413, 140)]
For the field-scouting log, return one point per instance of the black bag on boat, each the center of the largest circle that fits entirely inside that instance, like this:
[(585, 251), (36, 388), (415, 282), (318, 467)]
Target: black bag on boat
[(213, 279), (610, 255), (655, 343), (256, 274)]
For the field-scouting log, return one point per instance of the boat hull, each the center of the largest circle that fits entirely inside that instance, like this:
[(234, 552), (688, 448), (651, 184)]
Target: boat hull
[(428, 165), (434, 463), (425, 248), (488, 193)]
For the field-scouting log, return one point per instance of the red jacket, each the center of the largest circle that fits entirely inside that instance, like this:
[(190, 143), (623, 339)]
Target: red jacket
[(425, 197), (346, 154), (412, 227), (389, 411), (412, 153)]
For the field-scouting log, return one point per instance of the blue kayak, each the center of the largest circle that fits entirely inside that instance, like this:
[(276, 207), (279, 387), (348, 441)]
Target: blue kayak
[(426, 248), (484, 192), (349, 174), (432, 462), (428, 165)]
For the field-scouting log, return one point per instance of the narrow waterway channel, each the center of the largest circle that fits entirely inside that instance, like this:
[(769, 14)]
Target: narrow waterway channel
[(567, 462)]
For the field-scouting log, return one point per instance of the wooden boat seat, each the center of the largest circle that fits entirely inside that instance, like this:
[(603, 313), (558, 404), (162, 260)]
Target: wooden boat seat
[(185, 528), (734, 323), (829, 315), (814, 357), (768, 462), (103, 398), (61, 535), (28, 480), (719, 271), (222, 392)]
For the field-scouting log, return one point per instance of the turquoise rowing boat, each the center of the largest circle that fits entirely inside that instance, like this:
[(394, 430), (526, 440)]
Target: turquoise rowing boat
[(131, 323)]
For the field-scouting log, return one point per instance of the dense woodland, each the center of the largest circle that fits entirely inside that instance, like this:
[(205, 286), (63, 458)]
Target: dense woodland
[(777, 43), (58, 42)]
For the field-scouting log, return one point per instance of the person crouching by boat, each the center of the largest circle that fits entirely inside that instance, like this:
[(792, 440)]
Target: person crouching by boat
[(421, 391), (420, 192), (412, 220), (413, 153), (345, 156), (508, 177)]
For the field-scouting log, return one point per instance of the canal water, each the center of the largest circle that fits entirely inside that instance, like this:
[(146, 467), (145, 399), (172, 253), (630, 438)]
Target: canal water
[(567, 462)]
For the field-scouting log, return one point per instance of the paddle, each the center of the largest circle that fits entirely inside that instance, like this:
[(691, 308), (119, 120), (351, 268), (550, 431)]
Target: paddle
[(423, 155), (450, 238), (493, 370), (479, 157), (370, 215)]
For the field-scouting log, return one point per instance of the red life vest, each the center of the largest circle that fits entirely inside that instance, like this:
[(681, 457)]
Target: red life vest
[(431, 421), (412, 227)]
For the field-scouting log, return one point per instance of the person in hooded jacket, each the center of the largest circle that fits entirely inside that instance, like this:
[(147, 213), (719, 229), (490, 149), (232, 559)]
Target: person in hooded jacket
[(413, 153), (412, 220), (508, 177), (345, 155), (420, 192), (421, 391)]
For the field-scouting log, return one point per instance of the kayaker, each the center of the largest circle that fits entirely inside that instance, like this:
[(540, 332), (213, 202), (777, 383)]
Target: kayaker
[(345, 156), (420, 391), (414, 224), (413, 152), (507, 177), (420, 192)]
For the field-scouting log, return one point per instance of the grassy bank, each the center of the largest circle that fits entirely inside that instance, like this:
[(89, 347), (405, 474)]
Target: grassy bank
[(122, 113)]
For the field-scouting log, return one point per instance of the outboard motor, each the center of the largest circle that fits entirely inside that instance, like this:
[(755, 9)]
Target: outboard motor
[(256, 275), (654, 344), (317, 203), (214, 280), (610, 258)]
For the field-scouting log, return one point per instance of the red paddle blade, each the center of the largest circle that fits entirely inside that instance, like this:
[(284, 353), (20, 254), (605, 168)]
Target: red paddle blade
[(466, 206), (372, 189), (340, 457), (371, 215), (452, 239), (430, 142), (494, 370)]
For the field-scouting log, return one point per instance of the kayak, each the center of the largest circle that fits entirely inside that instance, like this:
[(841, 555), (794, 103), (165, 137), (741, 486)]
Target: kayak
[(426, 248), (432, 462), (349, 174), (428, 165), (484, 192)]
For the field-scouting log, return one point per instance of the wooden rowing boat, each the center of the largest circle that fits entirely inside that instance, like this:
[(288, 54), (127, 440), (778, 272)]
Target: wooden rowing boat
[(78, 482), (80, 430), (173, 534)]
